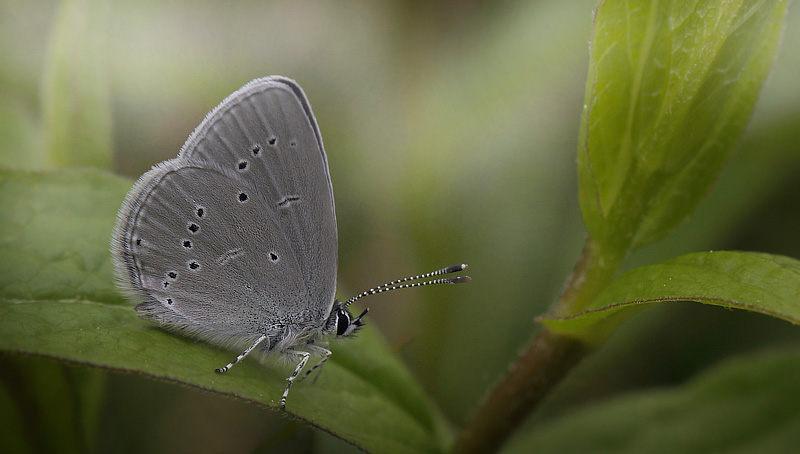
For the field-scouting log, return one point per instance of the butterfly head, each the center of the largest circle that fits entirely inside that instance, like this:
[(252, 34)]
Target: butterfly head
[(341, 323)]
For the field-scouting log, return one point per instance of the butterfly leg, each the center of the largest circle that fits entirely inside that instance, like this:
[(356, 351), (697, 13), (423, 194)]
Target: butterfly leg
[(290, 380), (318, 365), (240, 357)]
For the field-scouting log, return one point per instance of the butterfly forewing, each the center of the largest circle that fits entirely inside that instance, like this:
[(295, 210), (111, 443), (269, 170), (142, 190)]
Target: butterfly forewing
[(237, 236)]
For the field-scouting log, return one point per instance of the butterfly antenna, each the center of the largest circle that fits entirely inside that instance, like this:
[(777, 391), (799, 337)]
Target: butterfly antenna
[(398, 284)]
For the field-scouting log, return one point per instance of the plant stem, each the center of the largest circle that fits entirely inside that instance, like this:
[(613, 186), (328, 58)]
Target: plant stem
[(546, 360), (595, 269)]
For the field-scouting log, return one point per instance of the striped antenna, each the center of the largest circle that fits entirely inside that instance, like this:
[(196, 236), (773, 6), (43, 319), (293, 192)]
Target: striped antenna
[(398, 284)]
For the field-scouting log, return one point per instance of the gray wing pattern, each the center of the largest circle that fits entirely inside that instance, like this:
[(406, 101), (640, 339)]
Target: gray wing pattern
[(237, 236)]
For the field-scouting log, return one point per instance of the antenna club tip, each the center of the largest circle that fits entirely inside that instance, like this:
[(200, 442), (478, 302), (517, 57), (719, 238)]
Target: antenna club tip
[(455, 268), (460, 279)]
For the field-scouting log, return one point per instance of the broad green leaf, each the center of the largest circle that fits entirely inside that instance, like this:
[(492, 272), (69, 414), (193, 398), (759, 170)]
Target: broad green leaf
[(746, 405), (764, 283), (671, 86), (75, 91), (57, 299), (364, 395), (54, 234)]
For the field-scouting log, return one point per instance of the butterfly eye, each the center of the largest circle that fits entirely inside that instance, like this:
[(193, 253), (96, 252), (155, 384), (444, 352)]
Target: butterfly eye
[(342, 322)]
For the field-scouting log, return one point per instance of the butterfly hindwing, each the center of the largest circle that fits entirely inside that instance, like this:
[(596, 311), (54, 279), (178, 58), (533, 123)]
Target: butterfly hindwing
[(237, 236)]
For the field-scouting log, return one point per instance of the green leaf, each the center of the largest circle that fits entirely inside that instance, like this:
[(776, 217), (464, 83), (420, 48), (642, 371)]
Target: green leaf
[(671, 86), (54, 235), (57, 299), (75, 92), (764, 283), (747, 405)]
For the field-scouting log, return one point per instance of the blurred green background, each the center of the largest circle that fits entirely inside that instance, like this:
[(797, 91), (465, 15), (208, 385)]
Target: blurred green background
[(451, 129)]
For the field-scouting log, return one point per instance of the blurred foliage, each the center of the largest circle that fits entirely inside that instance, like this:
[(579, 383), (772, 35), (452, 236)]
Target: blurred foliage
[(750, 402), (76, 108), (451, 130)]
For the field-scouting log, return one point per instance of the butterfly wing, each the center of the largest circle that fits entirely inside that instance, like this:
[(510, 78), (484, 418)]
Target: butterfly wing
[(236, 237)]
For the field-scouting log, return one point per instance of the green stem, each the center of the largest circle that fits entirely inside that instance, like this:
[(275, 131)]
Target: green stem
[(543, 364), (595, 269)]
